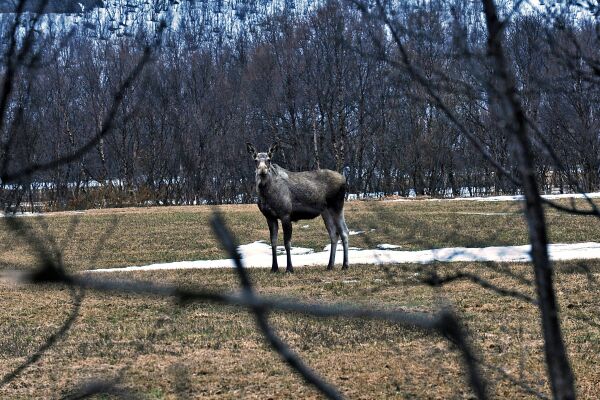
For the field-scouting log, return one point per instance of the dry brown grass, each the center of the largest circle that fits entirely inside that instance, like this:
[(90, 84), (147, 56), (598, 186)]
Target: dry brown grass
[(139, 236), (210, 351)]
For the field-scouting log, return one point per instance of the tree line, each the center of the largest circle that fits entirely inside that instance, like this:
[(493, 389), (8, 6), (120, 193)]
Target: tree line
[(325, 83)]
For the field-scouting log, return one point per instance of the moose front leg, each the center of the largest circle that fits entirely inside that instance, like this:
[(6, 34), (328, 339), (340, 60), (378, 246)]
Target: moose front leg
[(273, 228), (287, 239)]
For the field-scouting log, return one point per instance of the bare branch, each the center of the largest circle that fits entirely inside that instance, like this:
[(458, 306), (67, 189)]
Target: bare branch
[(423, 81), (107, 125), (435, 280), (444, 322), (291, 358), (559, 369), (13, 64), (77, 297)]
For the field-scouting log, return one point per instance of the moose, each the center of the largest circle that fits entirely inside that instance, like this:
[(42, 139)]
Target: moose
[(292, 196)]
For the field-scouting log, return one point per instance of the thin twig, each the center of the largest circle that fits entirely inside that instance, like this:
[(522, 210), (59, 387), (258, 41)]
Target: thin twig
[(435, 280), (77, 297), (291, 358), (107, 125)]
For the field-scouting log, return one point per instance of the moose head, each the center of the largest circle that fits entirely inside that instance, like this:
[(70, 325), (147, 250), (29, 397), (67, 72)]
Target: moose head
[(263, 160)]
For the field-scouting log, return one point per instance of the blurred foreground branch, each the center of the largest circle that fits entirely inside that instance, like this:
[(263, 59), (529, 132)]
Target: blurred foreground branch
[(444, 322)]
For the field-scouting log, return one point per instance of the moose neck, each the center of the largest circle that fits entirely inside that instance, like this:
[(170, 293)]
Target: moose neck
[(272, 180)]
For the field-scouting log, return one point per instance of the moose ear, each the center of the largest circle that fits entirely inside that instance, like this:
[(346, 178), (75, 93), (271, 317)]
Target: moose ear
[(274, 147), (251, 149)]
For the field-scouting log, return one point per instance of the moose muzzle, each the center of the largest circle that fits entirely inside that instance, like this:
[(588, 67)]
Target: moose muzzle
[(262, 168)]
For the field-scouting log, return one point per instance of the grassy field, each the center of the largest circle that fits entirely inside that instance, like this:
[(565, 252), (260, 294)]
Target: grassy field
[(163, 350), (139, 236)]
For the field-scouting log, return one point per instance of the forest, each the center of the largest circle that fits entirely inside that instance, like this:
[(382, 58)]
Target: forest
[(322, 80)]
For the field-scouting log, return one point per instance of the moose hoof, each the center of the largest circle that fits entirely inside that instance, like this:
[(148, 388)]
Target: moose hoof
[(289, 270), (274, 269), (329, 267), (345, 266)]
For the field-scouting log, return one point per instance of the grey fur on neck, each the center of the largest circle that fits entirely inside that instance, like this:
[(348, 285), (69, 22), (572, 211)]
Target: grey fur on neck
[(279, 171), (275, 172)]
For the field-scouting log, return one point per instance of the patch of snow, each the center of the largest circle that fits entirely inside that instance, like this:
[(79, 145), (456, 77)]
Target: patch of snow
[(351, 233), (350, 281), (515, 197), (363, 196), (293, 250), (256, 256), (19, 214), (340, 247), (386, 246), (305, 226), (484, 213), (261, 248), (39, 214)]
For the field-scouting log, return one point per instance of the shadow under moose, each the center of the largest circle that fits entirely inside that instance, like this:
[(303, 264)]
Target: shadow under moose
[(288, 196)]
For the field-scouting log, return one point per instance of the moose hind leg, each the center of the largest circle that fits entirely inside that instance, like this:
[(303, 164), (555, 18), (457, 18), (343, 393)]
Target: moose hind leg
[(287, 239), (333, 236), (273, 228), (342, 229)]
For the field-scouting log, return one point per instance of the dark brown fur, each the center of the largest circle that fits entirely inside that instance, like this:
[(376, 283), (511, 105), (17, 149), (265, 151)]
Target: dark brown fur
[(291, 196)]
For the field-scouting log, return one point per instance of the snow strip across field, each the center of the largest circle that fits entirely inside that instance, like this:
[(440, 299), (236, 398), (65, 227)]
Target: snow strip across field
[(512, 198), (44, 214), (521, 197), (258, 255), (19, 214)]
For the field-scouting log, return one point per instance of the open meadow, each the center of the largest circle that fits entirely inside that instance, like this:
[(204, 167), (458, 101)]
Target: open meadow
[(162, 349)]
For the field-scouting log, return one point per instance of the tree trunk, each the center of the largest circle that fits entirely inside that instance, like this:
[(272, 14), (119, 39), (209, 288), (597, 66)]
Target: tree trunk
[(559, 369), (316, 142)]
